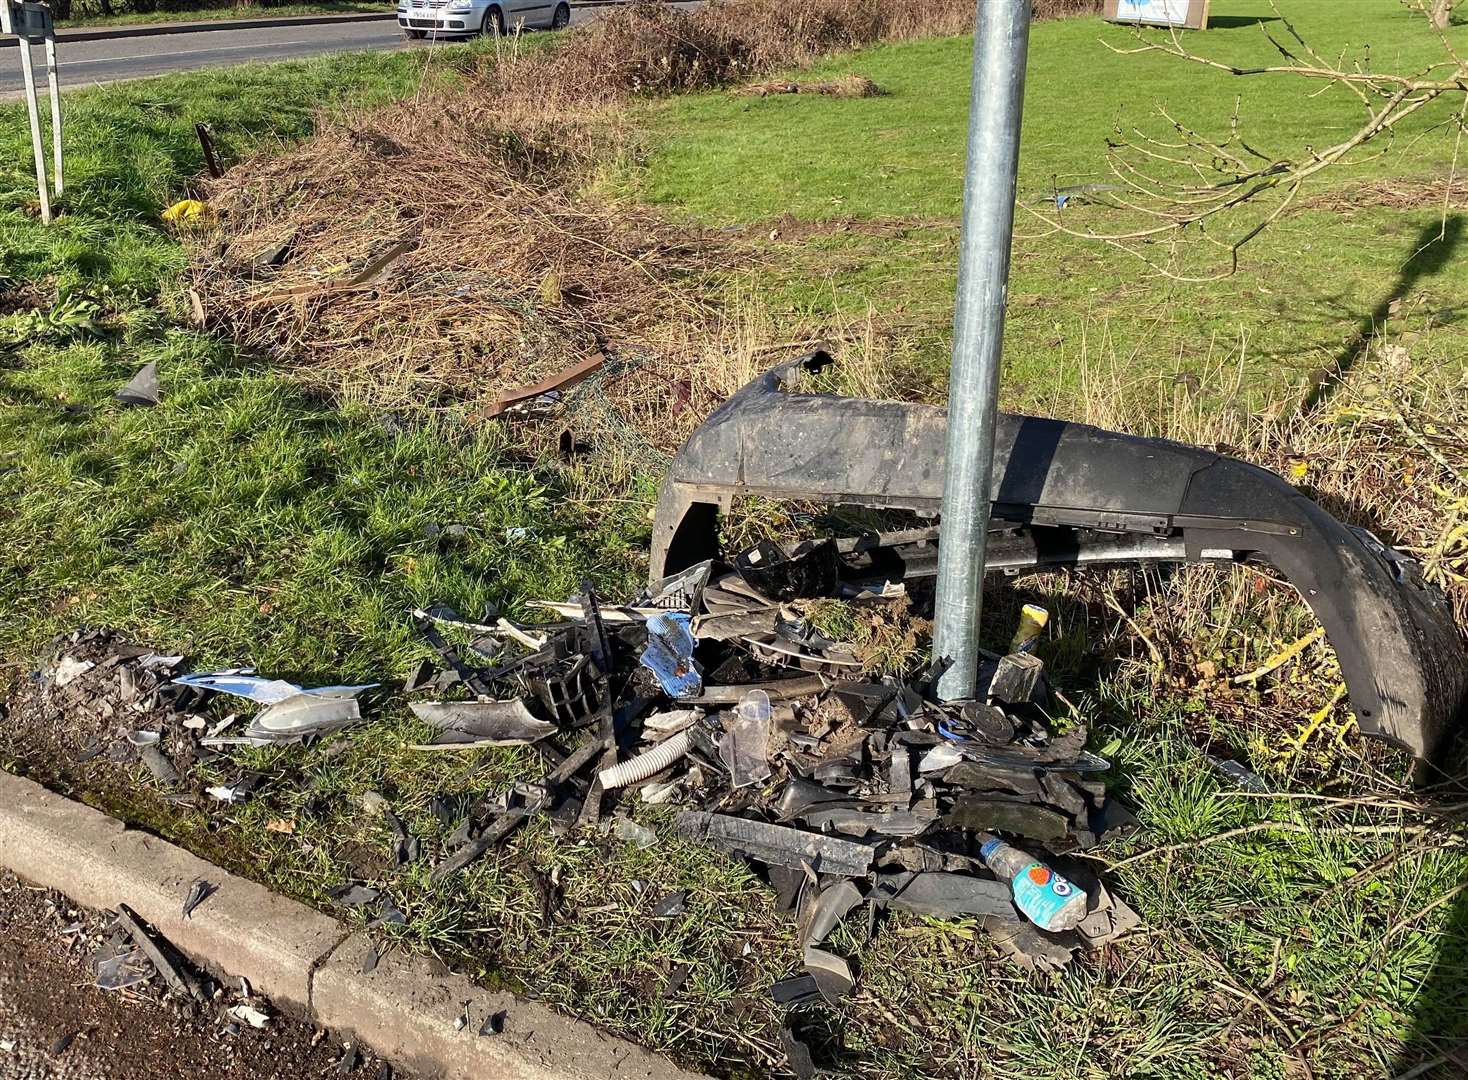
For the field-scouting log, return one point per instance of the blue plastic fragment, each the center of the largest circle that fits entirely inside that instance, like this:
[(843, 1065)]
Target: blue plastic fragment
[(669, 654)]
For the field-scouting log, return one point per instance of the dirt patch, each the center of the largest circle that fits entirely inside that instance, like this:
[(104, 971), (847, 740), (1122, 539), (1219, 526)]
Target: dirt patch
[(80, 716), (47, 995), (847, 86), (1397, 193)]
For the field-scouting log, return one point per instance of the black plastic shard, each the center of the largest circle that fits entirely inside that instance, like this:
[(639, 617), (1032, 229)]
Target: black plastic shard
[(950, 894), (777, 844), (199, 891), (800, 796), (161, 953), (812, 569), (1007, 816), (353, 895), (795, 990), (797, 1055), (867, 702)]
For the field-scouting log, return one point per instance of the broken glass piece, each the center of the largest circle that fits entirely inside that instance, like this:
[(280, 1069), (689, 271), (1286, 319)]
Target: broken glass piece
[(669, 655), (123, 970), (68, 668), (996, 814), (633, 833), (142, 388), (671, 905), (481, 723), (778, 844), (744, 747)]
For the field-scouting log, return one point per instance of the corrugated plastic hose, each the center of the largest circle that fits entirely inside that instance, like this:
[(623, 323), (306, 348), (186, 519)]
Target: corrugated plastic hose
[(642, 766)]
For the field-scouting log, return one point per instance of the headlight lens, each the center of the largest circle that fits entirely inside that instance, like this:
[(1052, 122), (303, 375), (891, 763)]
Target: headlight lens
[(460, 5)]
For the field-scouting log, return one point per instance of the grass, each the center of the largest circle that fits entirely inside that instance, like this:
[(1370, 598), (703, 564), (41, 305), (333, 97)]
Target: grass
[(227, 11), (245, 520), (898, 158)]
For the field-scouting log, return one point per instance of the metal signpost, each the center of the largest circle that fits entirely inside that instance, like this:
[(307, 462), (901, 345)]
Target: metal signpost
[(32, 23), (1001, 44)]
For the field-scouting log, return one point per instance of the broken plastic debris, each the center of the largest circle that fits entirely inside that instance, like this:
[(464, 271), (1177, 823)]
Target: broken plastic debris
[(69, 668), (669, 654), (304, 714), (250, 1015), (778, 844), (744, 747), (126, 969), (199, 891), (936, 893), (481, 723), (142, 388), (242, 682), (353, 895), (831, 973)]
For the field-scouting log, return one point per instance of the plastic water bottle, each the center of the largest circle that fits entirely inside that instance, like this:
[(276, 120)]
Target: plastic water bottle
[(1047, 899)]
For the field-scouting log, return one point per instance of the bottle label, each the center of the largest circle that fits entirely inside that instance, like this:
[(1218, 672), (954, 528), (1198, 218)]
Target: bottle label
[(1040, 893)]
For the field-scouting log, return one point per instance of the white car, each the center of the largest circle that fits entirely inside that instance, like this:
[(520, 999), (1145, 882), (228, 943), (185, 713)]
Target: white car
[(457, 18)]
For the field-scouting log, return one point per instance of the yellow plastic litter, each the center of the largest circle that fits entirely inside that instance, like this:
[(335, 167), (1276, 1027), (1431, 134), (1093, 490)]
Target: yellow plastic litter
[(185, 210), (1032, 620)]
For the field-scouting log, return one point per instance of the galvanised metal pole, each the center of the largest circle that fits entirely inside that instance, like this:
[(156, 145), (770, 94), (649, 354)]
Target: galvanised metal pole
[(1001, 43)]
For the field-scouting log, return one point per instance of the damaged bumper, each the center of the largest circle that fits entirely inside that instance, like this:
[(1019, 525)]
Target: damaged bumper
[(1067, 494)]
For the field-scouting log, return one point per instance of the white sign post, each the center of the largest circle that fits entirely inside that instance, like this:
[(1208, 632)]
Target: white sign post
[(32, 23)]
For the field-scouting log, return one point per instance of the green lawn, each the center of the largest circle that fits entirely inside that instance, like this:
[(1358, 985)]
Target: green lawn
[(726, 159), (245, 521)]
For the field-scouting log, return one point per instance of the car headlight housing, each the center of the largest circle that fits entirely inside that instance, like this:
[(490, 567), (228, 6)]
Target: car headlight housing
[(461, 5)]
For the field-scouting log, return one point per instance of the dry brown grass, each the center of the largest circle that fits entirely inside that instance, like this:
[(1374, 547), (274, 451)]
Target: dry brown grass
[(846, 86)]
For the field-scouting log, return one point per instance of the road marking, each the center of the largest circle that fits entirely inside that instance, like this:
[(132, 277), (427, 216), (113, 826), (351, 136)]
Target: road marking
[(185, 52)]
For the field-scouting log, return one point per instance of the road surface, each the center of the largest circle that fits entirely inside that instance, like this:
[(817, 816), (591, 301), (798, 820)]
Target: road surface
[(55, 1024), (84, 63)]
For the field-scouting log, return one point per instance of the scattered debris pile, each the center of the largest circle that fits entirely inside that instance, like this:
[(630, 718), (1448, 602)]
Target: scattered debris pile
[(710, 690), (99, 697)]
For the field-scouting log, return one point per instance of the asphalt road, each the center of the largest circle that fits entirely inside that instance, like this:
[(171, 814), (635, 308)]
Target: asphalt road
[(84, 63)]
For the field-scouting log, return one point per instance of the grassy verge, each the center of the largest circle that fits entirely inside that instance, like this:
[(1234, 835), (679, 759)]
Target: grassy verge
[(247, 520), (226, 12)]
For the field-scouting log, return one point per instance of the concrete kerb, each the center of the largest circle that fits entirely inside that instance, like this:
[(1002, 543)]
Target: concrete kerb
[(405, 1009), (103, 33)]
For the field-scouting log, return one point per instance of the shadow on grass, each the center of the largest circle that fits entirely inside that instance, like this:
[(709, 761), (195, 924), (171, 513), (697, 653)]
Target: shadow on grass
[(1237, 22), (1432, 250)]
